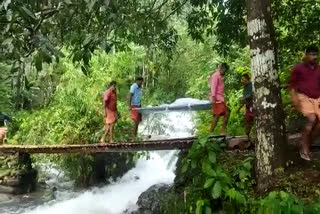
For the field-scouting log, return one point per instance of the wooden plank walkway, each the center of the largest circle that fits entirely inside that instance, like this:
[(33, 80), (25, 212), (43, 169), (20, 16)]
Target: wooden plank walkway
[(152, 145)]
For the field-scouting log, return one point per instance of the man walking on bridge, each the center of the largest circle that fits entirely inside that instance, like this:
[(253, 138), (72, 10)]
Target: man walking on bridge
[(305, 91), (219, 107), (134, 101), (110, 111)]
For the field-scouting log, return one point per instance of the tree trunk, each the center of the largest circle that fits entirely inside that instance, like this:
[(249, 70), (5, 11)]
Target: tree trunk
[(18, 84), (270, 125)]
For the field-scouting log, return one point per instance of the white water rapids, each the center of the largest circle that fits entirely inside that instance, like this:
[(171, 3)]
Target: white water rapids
[(122, 195)]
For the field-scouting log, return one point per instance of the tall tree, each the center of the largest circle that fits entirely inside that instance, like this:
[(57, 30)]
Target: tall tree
[(35, 31), (268, 105), (260, 34)]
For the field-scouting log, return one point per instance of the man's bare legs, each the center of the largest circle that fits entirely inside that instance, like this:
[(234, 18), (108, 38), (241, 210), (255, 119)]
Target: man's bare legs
[(135, 128), (307, 136), (225, 123), (106, 131), (111, 126), (248, 128), (315, 133), (214, 123)]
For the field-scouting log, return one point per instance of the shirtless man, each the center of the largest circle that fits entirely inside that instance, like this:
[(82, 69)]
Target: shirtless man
[(110, 111)]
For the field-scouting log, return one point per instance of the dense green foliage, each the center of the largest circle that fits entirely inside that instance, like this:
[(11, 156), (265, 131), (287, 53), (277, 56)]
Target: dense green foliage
[(75, 115), (58, 56), (5, 89), (213, 181)]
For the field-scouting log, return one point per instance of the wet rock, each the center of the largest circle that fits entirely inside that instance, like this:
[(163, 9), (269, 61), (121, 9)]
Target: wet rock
[(109, 167), (16, 174), (4, 173), (5, 197), (12, 182), (239, 143), (7, 189), (149, 202)]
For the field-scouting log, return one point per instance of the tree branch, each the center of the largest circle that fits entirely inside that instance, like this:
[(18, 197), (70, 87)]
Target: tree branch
[(152, 6), (157, 9), (163, 3), (173, 11)]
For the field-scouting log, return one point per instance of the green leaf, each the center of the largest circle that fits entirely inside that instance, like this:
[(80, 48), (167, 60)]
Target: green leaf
[(29, 13), (91, 3), (7, 41), (247, 165), (283, 195), (216, 190), (231, 193), (185, 167), (45, 55), (87, 40), (208, 210), (243, 174), (38, 61), (272, 195), (193, 164), (200, 204), (212, 157), (208, 183), (240, 198), (207, 169), (203, 141)]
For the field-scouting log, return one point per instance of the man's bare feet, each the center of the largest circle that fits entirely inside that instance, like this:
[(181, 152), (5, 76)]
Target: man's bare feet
[(304, 156), (305, 153), (102, 141)]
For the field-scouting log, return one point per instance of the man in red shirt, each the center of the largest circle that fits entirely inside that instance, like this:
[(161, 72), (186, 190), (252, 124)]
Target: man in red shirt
[(110, 111), (305, 91), (219, 107)]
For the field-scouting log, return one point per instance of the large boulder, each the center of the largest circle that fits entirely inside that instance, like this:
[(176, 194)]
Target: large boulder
[(110, 166), (16, 174), (149, 202), (241, 143)]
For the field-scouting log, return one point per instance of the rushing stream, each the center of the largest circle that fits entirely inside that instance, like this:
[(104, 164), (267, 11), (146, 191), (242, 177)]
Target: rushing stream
[(122, 195)]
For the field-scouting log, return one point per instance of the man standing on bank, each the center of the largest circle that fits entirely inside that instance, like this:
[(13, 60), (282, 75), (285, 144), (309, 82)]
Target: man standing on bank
[(219, 107), (247, 100), (305, 91), (110, 111), (134, 101), (4, 119)]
